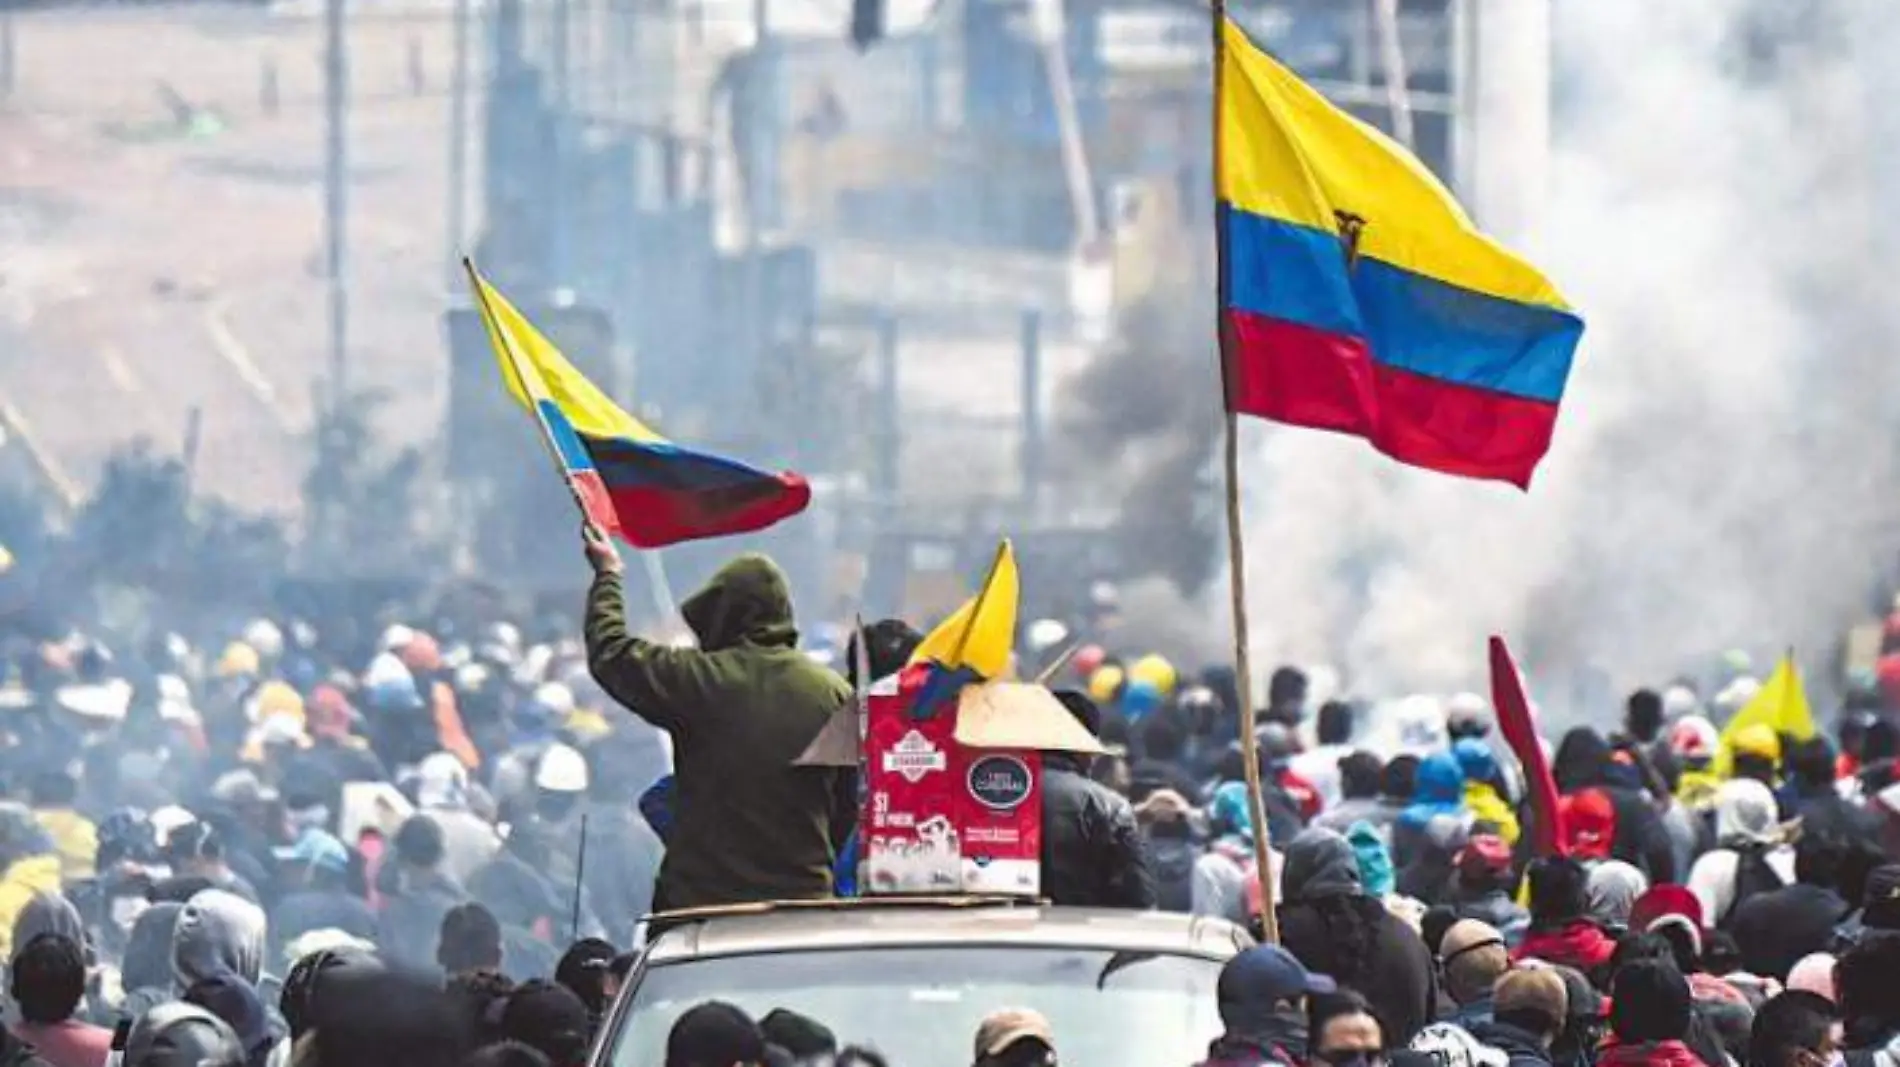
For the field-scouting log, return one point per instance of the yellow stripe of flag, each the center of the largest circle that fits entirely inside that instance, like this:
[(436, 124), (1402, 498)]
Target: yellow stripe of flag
[(1287, 153)]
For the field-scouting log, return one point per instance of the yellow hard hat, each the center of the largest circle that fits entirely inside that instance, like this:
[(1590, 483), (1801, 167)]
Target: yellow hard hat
[(1156, 671), (238, 659), (1106, 683), (279, 698), (1758, 740)]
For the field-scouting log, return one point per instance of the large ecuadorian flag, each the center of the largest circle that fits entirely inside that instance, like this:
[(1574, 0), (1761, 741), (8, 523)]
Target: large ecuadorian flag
[(1358, 297), (643, 488)]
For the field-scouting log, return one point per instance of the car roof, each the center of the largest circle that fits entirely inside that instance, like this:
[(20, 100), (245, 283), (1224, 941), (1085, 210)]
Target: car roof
[(899, 922)]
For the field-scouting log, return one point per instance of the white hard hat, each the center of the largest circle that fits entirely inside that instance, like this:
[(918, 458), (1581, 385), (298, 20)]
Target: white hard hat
[(1467, 704), (396, 637), (167, 819), (1680, 700), (1045, 634), (264, 637), (387, 669), (441, 781), (562, 770), (554, 698)]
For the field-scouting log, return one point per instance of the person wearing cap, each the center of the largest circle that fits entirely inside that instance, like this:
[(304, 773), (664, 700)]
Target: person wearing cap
[(1751, 854), (584, 968), (1472, 958), (1650, 1015), (195, 852), (1483, 881), (315, 871), (1756, 754), (335, 755), (1261, 994), (445, 794), (741, 708), (1529, 1009), (715, 1034), (1015, 1037)]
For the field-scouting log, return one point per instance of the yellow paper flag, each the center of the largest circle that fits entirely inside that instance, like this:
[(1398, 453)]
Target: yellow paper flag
[(1781, 705), (980, 634)]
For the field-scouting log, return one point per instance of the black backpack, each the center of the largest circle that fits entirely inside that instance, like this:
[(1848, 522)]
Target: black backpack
[(1173, 859), (1753, 876)]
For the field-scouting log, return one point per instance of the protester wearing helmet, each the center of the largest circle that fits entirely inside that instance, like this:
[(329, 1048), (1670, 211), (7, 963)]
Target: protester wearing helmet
[(444, 793)]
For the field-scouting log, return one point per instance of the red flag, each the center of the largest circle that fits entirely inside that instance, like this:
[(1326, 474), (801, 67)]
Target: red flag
[(1514, 722)]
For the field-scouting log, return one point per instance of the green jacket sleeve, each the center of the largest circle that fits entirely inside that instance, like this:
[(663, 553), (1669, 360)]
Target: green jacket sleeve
[(661, 685)]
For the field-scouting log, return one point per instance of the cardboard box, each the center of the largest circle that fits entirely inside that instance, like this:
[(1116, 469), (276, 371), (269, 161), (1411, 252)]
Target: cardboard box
[(953, 800)]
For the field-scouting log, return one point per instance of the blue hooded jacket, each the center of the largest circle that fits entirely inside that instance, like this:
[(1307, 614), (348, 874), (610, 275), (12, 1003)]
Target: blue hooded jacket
[(1440, 791)]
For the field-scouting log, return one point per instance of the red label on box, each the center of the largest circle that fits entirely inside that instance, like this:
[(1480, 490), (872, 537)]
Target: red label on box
[(939, 817)]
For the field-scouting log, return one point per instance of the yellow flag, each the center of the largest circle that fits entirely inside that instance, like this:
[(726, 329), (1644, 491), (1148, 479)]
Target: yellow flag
[(510, 333), (1781, 705), (980, 634)]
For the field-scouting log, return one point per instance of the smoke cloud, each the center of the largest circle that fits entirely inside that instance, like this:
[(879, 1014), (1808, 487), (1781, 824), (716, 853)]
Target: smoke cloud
[(1723, 474)]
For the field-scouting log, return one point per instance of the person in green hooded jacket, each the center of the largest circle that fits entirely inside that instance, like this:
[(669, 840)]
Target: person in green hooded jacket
[(748, 825)]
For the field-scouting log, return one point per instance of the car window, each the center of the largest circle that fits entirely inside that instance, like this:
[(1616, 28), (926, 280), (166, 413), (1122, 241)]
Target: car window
[(920, 1006)]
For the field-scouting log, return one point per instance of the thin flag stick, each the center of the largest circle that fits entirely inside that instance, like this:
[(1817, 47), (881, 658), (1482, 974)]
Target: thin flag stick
[(512, 360), (1236, 551), (1055, 666)]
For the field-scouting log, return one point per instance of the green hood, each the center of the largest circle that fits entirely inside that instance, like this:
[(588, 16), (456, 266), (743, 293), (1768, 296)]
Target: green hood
[(746, 603)]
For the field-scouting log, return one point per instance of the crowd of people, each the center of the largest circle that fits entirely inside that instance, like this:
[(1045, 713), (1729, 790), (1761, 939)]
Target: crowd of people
[(441, 848)]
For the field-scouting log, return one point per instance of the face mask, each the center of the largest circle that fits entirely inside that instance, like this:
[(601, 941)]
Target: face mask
[(1352, 1058)]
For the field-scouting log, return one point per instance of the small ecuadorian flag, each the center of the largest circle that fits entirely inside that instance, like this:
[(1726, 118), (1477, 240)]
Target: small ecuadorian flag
[(1357, 297), (629, 480), (974, 644)]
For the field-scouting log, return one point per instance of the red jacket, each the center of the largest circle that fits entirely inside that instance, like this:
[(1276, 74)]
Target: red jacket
[(1647, 1054), (1580, 944)]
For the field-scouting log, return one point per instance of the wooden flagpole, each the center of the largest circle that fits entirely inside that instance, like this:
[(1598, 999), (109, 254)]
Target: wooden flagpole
[(528, 378), (1236, 550), (517, 367)]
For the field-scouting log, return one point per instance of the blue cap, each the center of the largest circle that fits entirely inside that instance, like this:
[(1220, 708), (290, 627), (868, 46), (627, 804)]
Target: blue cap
[(316, 849), (1264, 976)]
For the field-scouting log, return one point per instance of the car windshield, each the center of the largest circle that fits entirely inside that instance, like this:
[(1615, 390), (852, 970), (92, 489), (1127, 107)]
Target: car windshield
[(920, 1006)]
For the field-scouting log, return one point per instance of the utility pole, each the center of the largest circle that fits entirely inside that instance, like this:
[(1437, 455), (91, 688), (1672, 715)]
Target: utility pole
[(456, 225), (336, 101), (560, 63)]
